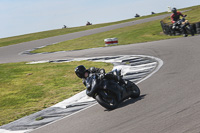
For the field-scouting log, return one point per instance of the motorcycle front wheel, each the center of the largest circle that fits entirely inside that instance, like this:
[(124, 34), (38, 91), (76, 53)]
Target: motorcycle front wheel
[(107, 100), (190, 29)]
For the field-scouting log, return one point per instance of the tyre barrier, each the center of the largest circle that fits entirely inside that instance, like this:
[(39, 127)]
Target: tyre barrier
[(197, 27), (167, 28), (194, 28)]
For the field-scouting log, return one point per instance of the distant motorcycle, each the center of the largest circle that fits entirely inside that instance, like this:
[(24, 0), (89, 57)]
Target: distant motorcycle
[(183, 23), (64, 27), (106, 91), (88, 23)]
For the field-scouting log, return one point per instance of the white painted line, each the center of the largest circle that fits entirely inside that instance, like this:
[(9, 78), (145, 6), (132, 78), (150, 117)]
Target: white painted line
[(8, 131), (63, 117)]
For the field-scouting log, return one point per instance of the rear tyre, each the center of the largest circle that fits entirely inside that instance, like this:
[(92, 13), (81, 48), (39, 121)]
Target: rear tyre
[(135, 91), (107, 100)]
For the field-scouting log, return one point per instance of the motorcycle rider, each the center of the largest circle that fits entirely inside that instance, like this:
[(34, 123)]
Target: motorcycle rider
[(176, 17), (84, 74), (88, 23)]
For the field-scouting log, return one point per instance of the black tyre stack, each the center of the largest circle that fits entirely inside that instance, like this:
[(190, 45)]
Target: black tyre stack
[(194, 28), (197, 27), (167, 29)]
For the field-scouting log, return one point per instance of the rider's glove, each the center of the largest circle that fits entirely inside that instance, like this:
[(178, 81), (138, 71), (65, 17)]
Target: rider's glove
[(102, 71), (101, 76)]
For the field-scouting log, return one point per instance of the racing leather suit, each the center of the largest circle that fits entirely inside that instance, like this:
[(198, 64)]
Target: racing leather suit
[(91, 87), (175, 17)]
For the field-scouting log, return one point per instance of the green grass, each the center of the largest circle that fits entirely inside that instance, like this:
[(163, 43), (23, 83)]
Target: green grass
[(56, 32), (145, 32), (26, 89)]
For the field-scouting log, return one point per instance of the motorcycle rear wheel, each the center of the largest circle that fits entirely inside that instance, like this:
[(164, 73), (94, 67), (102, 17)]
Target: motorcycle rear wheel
[(109, 102), (135, 91)]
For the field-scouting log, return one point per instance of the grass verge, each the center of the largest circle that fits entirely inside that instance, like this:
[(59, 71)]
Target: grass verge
[(145, 32), (26, 89), (57, 32)]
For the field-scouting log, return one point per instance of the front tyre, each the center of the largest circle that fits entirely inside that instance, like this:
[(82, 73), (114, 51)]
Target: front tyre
[(190, 29), (106, 100)]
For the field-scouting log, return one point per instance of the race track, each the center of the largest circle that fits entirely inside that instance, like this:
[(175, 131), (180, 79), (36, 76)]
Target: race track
[(169, 102), (170, 99), (17, 53)]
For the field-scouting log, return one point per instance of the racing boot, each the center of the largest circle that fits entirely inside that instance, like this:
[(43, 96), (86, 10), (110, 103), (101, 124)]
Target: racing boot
[(185, 35)]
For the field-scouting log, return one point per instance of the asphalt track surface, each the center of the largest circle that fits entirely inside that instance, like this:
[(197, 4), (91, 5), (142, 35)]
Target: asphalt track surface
[(169, 102)]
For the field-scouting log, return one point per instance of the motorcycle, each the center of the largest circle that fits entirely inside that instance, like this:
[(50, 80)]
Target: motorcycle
[(88, 23), (183, 23), (109, 93)]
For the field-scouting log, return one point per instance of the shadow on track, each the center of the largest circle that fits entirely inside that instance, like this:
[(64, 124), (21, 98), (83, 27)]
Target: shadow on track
[(128, 102)]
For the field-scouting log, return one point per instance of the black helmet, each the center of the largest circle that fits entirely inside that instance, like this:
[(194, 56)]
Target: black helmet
[(174, 10), (80, 71)]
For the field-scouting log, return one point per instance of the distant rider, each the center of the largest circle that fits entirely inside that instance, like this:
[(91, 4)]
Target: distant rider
[(176, 17), (88, 23)]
